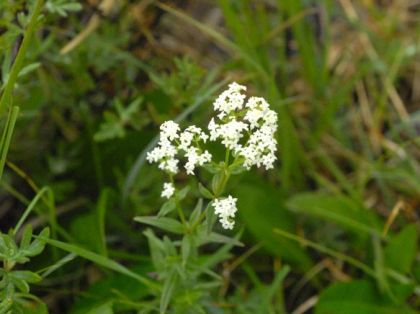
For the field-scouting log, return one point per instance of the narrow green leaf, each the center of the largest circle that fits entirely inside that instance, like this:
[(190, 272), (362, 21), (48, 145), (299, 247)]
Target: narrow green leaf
[(27, 276), (31, 207), (163, 223), (205, 192), (210, 217), (101, 212), (99, 260), (167, 207), (195, 215), (7, 136), (186, 248), (220, 238), (167, 291), (38, 245), (183, 192), (26, 237)]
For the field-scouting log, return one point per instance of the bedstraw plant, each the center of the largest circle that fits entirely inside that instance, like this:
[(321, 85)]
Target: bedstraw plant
[(245, 129)]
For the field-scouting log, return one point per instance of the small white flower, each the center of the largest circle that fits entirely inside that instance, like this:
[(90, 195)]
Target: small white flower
[(168, 190), (164, 153), (169, 129), (226, 210), (230, 133), (191, 133), (231, 99), (196, 159), (247, 130)]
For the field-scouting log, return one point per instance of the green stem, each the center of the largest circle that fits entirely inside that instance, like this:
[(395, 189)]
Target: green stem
[(17, 65), (217, 193), (178, 205), (200, 219), (7, 136), (181, 213), (369, 271), (227, 155)]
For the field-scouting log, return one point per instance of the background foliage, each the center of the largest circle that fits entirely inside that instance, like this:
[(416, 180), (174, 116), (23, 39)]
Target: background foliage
[(332, 229)]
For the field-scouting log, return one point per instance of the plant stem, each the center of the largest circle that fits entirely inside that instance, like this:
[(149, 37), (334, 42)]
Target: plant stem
[(227, 155), (17, 65), (7, 136), (369, 271)]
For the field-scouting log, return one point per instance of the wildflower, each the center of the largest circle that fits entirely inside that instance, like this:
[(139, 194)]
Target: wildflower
[(226, 210), (230, 133), (196, 159), (230, 100), (245, 127), (189, 135), (248, 130), (169, 130), (168, 190), (165, 152)]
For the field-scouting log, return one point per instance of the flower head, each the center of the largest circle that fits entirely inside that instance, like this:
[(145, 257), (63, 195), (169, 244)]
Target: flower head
[(165, 151), (168, 190), (246, 127), (230, 100), (226, 210), (248, 130)]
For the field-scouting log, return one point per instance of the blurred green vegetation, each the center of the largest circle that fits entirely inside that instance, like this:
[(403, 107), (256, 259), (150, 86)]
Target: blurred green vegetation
[(334, 228)]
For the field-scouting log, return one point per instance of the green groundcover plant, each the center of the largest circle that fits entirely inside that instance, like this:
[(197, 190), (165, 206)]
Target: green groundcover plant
[(136, 182)]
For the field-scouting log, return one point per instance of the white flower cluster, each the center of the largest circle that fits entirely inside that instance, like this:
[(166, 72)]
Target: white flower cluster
[(226, 210), (168, 190), (165, 152), (173, 142), (246, 128)]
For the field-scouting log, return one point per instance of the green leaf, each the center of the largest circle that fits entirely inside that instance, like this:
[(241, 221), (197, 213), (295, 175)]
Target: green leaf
[(195, 215), (111, 128), (186, 245), (8, 247), (105, 308), (26, 237), (5, 305), (168, 289), (237, 168), (27, 276), (28, 69), (157, 250), (183, 192), (21, 284), (212, 168), (99, 260), (218, 181), (38, 245), (164, 223), (400, 252), (220, 238), (358, 296), (210, 217), (205, 192), (167, 207)]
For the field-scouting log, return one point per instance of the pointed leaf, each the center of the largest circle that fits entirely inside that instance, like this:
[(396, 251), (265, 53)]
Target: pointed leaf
[(164, 223)]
